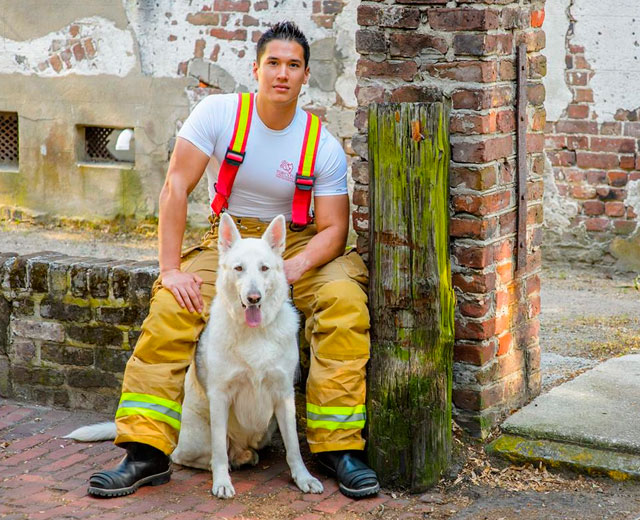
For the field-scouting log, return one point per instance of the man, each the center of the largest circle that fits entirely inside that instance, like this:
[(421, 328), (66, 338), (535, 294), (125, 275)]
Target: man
[(329, 287)]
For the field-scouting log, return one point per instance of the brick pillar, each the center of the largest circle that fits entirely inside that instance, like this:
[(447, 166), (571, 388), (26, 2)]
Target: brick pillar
[(419, 50)]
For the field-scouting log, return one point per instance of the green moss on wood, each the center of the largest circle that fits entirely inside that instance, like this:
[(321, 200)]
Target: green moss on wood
[(411, 295)]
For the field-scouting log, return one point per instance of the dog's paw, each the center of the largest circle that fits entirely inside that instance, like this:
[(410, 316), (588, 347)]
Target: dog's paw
[(309, 484), (223, 489)]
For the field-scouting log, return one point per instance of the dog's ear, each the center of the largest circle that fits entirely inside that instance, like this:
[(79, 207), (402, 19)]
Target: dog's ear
[(276, 234), (227, 233)]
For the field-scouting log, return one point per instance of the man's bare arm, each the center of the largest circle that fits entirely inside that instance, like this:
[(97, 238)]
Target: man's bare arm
[(332, 221), (185, 170)]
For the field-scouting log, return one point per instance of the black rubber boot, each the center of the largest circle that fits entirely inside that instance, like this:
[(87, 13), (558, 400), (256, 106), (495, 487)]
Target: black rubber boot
[(355, 478), (142, 465)]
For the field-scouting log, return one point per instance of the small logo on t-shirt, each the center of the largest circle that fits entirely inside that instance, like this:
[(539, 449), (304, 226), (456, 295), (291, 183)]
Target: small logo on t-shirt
[(285, 171)]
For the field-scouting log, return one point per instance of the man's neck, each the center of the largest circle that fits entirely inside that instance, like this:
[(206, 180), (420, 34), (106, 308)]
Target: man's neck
[(275, 117)]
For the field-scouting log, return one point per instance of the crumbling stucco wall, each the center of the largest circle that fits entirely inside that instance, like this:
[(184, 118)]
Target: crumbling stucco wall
[(143, 65), (593, 126)]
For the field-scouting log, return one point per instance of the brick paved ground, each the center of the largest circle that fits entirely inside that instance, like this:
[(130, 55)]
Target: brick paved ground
[(43, 476)]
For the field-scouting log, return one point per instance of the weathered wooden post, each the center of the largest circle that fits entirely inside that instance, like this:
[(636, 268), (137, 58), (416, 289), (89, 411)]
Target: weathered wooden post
[(412, 301)]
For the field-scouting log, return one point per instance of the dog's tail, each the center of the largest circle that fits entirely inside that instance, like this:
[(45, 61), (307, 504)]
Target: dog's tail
[(105, 431)]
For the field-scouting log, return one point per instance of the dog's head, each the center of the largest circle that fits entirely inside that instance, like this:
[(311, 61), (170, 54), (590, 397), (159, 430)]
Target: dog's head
[(251, 276)]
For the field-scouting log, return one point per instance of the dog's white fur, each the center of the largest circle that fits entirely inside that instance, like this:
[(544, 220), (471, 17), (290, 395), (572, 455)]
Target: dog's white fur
[(243, 374)]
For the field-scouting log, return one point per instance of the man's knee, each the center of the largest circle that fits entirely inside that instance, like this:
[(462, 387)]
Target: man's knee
[(344, 300), (340, 323), (170, 332), (165, 311)]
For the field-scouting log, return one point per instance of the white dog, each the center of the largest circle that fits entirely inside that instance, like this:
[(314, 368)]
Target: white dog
[(245, 364)]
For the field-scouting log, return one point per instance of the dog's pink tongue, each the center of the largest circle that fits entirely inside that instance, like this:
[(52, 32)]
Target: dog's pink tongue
[(253, 316)]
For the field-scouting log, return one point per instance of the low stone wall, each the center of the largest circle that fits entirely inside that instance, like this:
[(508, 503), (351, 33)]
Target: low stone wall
[(68, 326)]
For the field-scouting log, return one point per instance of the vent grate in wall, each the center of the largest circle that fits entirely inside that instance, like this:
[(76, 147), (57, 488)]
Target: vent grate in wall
[(108, 145), (97, 139), (8, 139)]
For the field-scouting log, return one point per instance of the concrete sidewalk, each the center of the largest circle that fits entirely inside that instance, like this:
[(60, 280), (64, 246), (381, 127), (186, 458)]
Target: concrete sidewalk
[(590, 424)]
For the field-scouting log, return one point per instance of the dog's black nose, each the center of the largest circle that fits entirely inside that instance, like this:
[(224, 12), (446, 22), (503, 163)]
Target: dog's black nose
[(254, 298)]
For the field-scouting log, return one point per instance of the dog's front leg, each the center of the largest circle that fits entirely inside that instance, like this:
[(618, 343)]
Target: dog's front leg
[(286, 416), (219, 412)]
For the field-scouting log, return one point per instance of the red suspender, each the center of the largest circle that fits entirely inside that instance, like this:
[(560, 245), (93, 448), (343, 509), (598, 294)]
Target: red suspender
[(235, 156), (235, 153), (304, 179)]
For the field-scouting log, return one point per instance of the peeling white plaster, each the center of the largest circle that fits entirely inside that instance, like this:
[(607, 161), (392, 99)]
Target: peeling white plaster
[(633, 196), (114, 51), (556, 26), (347, 25), (610, 34), (558, 210), (153, 26), (165, 39)]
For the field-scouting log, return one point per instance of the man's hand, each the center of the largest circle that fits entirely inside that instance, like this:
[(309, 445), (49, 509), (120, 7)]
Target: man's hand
[(295, 267), (185, 288), (332, 223)]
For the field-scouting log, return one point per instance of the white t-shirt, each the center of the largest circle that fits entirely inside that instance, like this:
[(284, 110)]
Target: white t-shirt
[(264, 184)]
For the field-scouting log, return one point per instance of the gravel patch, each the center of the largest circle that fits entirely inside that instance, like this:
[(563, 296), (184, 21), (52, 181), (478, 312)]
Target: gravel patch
[(25, 239), (586, 314), (557, 369)]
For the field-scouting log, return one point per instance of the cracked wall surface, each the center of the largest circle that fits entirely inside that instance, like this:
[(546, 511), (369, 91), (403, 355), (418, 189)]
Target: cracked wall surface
[(593, 126), (144, 65)]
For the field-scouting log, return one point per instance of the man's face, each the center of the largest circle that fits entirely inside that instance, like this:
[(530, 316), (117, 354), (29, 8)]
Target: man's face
[(281, 71)]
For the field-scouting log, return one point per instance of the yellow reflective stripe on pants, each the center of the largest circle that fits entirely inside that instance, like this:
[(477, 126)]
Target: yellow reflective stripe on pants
[(150, 406), (152, 414), (152, 399), (332, 425), (336, 410), (335, 417)]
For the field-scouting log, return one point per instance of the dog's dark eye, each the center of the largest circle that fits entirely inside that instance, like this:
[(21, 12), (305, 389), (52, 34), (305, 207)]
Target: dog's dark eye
[(238, 268), (264, 268)]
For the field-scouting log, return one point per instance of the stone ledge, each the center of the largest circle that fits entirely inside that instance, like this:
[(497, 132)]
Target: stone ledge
[(82, 277), (68, 326), (583, 459)]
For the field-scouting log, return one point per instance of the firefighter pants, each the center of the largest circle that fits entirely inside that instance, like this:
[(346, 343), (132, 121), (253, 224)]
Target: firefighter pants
[(333, 299)]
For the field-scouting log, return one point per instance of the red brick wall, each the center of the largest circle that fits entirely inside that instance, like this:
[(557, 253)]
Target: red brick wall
[(418, 50), (593, 161), (63, 53)]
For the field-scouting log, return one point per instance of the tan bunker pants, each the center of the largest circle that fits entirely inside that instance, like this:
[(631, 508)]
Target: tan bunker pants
[(333, 299)]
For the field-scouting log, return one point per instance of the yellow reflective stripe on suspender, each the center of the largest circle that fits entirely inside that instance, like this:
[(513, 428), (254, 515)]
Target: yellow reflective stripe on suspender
[(150, 406), (243, 122), (336, 417), (310, 146)]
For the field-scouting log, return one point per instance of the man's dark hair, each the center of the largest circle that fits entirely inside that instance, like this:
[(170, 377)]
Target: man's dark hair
[(284, 31)]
